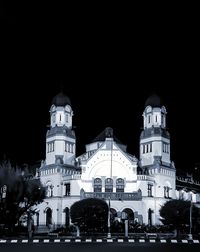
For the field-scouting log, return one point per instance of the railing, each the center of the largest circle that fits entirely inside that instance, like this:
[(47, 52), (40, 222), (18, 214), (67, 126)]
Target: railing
[(113, 196), (145, 177)]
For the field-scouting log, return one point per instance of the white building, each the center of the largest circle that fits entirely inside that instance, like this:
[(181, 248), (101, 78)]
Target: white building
[(138, 187)]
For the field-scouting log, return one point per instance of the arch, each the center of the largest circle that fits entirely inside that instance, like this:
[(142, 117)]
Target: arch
[(48, 217), (129, 214), (66, 211), (113, 214)]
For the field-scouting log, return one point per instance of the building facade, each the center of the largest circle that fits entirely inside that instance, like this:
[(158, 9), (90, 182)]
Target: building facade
[(135, 187)]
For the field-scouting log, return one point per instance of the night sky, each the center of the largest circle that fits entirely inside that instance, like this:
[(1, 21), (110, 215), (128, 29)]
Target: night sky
[(108, 67)]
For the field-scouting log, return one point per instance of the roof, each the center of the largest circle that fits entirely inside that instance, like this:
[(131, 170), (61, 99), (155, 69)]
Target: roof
[(61, 100), (154, 101), (106, 133)]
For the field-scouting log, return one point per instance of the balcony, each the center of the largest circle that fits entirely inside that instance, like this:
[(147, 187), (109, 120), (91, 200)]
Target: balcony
[(113, 196)]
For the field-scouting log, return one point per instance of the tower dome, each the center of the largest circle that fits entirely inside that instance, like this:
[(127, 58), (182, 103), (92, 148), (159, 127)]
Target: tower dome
[(154, 101), (61, 100)]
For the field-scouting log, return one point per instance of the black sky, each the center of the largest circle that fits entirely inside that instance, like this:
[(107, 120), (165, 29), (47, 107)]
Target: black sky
[(108, 64)]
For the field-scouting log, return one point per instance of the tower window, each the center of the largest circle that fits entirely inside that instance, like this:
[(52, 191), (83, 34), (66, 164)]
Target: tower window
[(60, 117), (156, 118), (143, 148), (149, 190), (166, 192), (149, 118), (66, 117), (67, 189), (150, 147)]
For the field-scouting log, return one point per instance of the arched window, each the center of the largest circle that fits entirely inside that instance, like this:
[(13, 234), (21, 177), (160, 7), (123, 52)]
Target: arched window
[(97, 185), (48, 217), (108, 185), (119, 185)]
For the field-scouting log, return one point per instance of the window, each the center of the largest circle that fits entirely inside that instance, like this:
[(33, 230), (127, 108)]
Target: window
[(97, 185), (150, 147), (119, 185), (108, 185), (149, 118), (60, 117), (66, 117), (143, 148), (166, 192), (54, 118), (149, 190), (67, 189)]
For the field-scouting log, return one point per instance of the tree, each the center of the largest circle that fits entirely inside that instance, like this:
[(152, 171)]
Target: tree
[(90, 214), (21, 192), (177, 213)]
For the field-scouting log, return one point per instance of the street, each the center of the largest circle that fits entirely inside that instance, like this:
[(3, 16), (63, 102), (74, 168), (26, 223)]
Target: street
[(99, 246)]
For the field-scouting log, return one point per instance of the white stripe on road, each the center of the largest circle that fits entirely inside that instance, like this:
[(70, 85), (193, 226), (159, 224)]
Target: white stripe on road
[(120, 240), (184, 241), (57, 240), (88, 240), (46, 240), (131, 240), (163, 241), (173, 241), (109, 240), (35, 241), (14, 241), (3, 241), (78, 240), (67, 240), (152, 240), (141, 240), (24, 241), (98, 240), (195, 241)]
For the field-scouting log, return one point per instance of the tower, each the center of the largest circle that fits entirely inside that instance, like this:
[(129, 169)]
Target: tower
[(60, 138), (154, 139)]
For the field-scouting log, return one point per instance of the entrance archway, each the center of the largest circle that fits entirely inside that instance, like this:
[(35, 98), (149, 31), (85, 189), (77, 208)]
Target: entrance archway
[(128, 213)]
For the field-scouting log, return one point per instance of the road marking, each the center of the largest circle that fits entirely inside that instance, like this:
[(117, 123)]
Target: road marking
[(3, 241), (24, 241), (57, 240), (35, 241), (14, 241), (88, 240), (98, 240), (131, 240), (152, 240), (141, 240), (46, 240), (109, 240), (78, 240), (163, 241), (173, 241), (120, 240), (195, 241), (67, 240), (184, 241)]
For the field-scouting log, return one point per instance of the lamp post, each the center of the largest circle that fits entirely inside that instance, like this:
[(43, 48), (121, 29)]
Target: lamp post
[(111, 147), (190, 233)]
